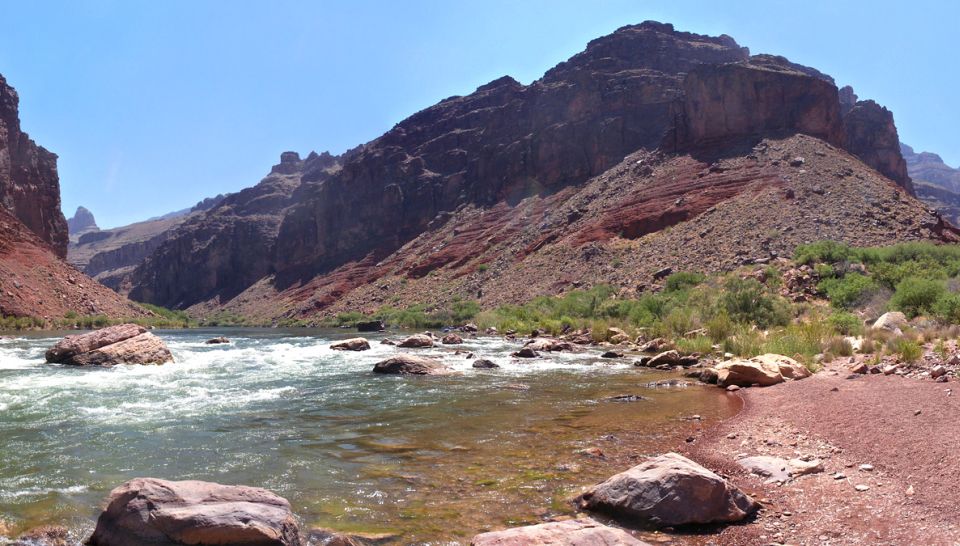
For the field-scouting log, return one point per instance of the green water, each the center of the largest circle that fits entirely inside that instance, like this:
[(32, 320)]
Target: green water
[(433, 460)]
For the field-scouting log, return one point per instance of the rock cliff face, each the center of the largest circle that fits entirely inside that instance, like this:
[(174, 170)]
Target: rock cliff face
[(872, 136), (508, 148), (935, 182), (82, 222), (29, 184), (216, 255)]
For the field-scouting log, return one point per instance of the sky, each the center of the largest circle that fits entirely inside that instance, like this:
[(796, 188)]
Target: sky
[(153, 106)]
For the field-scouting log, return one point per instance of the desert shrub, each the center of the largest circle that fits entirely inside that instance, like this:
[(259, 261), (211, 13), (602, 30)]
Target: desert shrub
[(682, 280), (719, 327), (801, 340), (915, 296), (746, 300), (822, 251), (743, 341), (838, 346), (848, 291), (463, 311), (824, 271), (868, 346), (947, 308), (699, 344), (908, 349), (845, 324)]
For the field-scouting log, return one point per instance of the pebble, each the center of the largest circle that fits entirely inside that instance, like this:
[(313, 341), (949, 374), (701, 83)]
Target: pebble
[(866, 467), (918, 412), (839, 476), (862, 488), (733, 388)]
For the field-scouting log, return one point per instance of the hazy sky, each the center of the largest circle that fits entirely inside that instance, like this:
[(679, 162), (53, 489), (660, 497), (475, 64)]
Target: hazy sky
[(152, 106)]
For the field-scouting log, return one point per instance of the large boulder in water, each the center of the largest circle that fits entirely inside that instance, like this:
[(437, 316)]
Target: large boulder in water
[(404, 364), (578, 532), (352, 344), (668, 490), (121, 344), (148, 511), (417, 341)]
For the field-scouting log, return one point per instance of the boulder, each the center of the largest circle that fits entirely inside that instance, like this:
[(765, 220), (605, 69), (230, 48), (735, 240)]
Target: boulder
[(217, 341), (525, 352), (668, 490), (152, 511), (670, 358), (121, 344), (576, 532), (48, 535), (485, 364), (404, 364), (893, 321), (611, 354), (469, 327), (451, 339), (352, 344), (417, 341), (763, 370), (616, 335), (654, 345), (371, 326), (549, 345)]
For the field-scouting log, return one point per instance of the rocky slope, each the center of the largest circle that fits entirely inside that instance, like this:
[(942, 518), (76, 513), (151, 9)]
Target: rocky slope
[(488, 174), (29, 184), (81, 222), (110, 255), (34, 279), (936, 183)]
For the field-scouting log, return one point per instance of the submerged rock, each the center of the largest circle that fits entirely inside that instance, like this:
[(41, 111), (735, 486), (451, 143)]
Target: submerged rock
[(217, 341), (48, 535), (404, 364), (417, 341), (152, 511), (352, 344), (121, 344), (668, 490), (578, 532)]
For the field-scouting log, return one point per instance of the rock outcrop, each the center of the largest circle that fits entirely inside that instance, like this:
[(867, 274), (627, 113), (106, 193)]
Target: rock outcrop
[(578, 532), (934, 182), (81, 222), (871, 135), (404, 364), (122, 344), (29, 183), (668, 490), (151, 511)]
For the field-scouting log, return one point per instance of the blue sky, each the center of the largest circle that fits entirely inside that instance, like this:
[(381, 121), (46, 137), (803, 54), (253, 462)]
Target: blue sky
[(152, 106)]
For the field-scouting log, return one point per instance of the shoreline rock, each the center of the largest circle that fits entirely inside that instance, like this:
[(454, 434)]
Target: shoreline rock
[(576, 532), (153, 511)]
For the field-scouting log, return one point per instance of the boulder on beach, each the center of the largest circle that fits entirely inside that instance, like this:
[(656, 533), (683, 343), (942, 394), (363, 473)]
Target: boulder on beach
[(404, 364), (352, 344), (417, 341), (121, 344), (668, 490), (371, 326), (764, 370), (894, 321), (575, 532), (217, 341), (451, 339), (152, 511)]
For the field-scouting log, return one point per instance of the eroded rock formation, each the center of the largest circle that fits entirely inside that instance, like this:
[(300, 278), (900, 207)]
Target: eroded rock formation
[(29, 184), (81, 222)]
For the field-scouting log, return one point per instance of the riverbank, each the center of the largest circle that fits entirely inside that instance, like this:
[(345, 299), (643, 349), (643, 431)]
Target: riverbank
[(904, 429)]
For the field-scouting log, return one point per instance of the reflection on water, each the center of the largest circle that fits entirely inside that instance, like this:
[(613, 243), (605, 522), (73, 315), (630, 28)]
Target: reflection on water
[(434, 459)]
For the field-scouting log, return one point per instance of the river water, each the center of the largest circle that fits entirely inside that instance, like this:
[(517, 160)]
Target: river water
[(429, 459)]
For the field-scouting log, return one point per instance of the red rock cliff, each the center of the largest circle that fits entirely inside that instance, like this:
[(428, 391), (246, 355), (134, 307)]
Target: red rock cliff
[(29, 184)]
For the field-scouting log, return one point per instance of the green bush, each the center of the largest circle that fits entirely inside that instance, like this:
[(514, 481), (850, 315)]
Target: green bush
[(845, 324), (682, 280), (915, 296), (822, 251), (847, 291), (746, 301), (908, 350), (947, 308)]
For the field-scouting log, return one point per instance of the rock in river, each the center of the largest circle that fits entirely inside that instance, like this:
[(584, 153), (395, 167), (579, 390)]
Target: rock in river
[(416, 341), (121, 344), (578, 532), (217, 341), (451, 339), (668, 490), (404, 364), (352, 344), (151, 511), (484, 363)]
